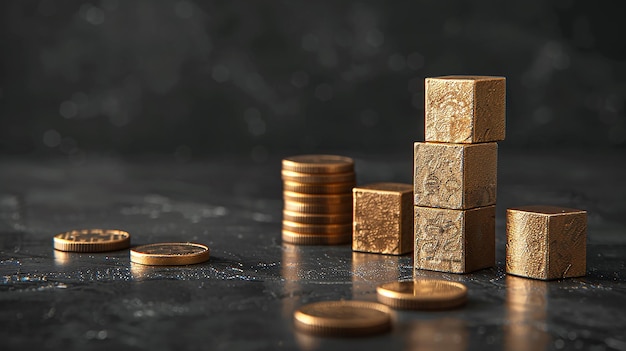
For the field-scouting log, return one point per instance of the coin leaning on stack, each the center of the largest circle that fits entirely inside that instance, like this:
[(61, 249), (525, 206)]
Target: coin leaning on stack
[(317, 190)]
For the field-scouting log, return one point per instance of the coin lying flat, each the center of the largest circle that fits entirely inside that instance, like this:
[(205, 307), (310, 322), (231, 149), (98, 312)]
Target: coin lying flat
[(92, 240), (422, 294), (316, 239), (319, 188), (169, 254), (318, 164), (318, 178), (343, 318)]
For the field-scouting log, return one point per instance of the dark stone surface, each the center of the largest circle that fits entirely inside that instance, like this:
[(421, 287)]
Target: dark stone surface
[(244, 297)]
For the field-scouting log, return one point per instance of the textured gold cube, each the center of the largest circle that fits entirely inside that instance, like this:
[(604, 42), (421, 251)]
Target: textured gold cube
[(546, 242), (454, 241), (455, 176), (465, 109), (383, 218)]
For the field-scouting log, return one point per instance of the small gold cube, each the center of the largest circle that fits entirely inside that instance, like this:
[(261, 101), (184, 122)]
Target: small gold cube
[(546, 242), (454, 241), (383, 218), (465, 109), (455, 176)]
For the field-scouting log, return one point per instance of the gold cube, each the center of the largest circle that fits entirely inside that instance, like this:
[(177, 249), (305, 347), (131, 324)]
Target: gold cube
[(465, 109), (546, 242), (455, 176), (454, 241), (383, 218)]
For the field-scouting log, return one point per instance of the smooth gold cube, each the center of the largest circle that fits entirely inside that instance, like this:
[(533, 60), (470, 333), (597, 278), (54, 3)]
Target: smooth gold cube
[(546, 242), (455, 176), (383, 218), (465, 109), (454, 241)]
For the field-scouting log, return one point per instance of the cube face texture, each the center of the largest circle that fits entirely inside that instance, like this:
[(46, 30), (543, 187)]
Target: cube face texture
[(383, 218), (465, 109), (546, 242), (455, 176), (455, 241)]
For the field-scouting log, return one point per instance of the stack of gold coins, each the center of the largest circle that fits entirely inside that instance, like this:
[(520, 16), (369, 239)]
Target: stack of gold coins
[(317, 190)]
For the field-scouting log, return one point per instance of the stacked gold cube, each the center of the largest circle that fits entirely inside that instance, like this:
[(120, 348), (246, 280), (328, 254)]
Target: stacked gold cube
[(317, 191), (455, 173)]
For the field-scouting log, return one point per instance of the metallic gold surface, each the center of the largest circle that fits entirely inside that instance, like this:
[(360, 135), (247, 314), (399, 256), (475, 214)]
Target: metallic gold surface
[(169, 254), (324, 188), (318, 164), (317, 228), (317, 194), (383, 218), (317, 199), (455, 176), (92, 240), (315, 178), (293, 206), (465, 109), (454, 241), (315, 239), (546, 242), (307, 218), (422, 294), (343, 318), (526, 313)]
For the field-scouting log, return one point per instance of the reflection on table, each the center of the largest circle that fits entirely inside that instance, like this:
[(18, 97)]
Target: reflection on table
[(370, 270), (526, 309), (448, 334)]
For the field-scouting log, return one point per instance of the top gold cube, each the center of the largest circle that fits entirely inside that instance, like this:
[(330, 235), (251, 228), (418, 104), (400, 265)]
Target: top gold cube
[(465, 109)]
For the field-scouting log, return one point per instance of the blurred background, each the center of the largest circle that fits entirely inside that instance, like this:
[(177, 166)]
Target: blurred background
[(193, 78)]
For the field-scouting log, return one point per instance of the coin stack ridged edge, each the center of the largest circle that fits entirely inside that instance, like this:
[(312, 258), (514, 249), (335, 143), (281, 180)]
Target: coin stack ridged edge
[(317, 194)]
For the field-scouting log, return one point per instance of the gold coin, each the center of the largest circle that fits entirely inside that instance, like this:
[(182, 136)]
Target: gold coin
[(317, 228), (317, 198), (308, 218), (92, 240), (318, 164), (169, 254), (324, 188), (316, 239), (318, 208), (343, 318), (422, 294), (318, 178)]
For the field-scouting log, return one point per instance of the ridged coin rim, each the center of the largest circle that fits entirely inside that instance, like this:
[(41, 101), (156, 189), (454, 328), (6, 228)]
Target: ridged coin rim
[(319, 188), (400, 300), (329, 229), (312, 218), (169, 259), (310, 323), (318, 163), (62, 244), (313, 178), (315, 239)]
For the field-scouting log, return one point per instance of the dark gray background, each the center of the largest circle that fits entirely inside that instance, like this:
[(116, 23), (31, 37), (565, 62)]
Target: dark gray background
[(189, 78), (220, 92)]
